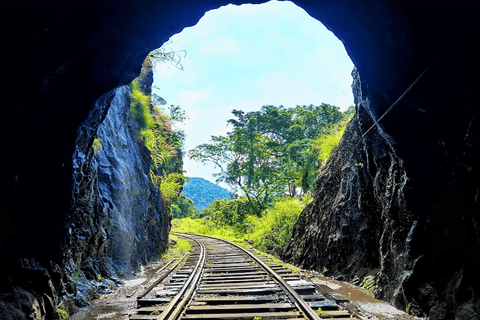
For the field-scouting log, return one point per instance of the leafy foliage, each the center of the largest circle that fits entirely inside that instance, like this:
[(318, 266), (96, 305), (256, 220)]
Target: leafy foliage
[(97, 145), (273, 229), (268, 233), (171, 186), (158, 136), (227, 212), (201, 226), (183, 207), (271, 152)]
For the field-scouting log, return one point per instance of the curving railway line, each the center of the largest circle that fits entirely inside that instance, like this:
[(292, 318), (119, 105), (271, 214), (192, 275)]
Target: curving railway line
[(220, 280)]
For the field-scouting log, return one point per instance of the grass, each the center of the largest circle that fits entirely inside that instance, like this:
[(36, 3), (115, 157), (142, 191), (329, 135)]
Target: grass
[(97, 145), (176, 251), (199, 226), (62, 313)]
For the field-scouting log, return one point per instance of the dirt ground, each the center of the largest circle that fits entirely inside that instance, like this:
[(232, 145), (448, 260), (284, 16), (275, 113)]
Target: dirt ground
[(122, 303)]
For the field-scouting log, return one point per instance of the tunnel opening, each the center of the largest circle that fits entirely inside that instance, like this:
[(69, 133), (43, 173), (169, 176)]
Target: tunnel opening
[(122, 202), (76, 61)]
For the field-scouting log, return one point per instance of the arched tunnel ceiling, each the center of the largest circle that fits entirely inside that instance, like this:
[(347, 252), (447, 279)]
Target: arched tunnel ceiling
[(59, 57)]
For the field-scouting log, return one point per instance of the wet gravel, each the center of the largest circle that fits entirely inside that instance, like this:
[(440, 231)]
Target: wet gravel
[(120, 304)]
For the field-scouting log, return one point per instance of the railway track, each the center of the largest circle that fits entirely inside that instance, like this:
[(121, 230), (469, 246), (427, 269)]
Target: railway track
[(219, 280)]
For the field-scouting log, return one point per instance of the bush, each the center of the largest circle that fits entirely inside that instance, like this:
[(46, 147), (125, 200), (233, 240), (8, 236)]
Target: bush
[(183, 207), (97, 145), (273, 229), (200, 226), (230, 212), (171, 186)]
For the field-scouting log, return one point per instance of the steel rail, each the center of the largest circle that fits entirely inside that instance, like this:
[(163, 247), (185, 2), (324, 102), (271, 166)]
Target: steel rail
[(293, 295), (163, 276), (191, 282)]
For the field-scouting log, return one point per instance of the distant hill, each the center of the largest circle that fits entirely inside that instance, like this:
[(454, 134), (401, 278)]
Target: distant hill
[(203, 192)]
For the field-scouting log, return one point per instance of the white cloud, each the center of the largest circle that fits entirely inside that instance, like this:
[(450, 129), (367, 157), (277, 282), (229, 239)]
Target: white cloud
[(190, 98), (220, 45)]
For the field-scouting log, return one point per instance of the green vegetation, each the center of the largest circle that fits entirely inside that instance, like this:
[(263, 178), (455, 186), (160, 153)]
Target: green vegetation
[(62, 313), (267, 233), (97, 145), (274, 151), (183, 207), (99, 277), (227, 212), (271, 158), (272, 230), (200, 226), (156, 132), (111, 222), (170, 186), (368, 286), (180, 246)]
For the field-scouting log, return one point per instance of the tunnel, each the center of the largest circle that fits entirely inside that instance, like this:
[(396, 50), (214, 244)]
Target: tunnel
[(416, 89)]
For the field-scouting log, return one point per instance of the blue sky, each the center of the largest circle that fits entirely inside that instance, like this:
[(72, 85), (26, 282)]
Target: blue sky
[(244, 57)]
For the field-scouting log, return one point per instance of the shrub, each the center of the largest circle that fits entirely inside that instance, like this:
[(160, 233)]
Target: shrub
[(183, 207), (200, 226), (230, 212), (97, 145), (273, 229), (171, 186)]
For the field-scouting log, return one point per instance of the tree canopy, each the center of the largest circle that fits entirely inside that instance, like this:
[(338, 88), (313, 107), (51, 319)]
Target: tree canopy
[(274, 151)]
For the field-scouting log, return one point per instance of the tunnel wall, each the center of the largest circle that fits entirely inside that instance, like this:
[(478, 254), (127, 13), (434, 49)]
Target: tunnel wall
[(60, 57)]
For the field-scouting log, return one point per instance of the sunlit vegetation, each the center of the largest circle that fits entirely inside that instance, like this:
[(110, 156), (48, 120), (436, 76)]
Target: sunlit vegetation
[(267, 233), (274, 152), (271, 160), (97, 145), (183, 207), (177, 248), (201, 226), (156, 132)]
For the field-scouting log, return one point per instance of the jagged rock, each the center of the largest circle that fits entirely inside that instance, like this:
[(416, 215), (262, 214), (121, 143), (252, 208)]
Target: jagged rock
[(61, 57)]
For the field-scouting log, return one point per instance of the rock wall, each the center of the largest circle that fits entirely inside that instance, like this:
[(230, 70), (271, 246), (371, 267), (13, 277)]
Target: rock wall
[(61, 57), (410, 213), (359, 220), (118, 220)]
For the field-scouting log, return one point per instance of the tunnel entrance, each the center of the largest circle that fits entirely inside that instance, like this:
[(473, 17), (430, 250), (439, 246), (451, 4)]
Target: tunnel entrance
[(71, 61), (247, 56)]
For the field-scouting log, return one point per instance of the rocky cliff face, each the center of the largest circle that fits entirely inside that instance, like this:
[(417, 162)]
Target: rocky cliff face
[(61, 57), (118, 219), (359, 221), (400, 202)]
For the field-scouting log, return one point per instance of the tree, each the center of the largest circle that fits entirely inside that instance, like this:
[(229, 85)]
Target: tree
[(183, 208), (271, 152)]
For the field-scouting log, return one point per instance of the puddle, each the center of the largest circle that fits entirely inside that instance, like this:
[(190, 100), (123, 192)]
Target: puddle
[(363, 299), (122, 303)]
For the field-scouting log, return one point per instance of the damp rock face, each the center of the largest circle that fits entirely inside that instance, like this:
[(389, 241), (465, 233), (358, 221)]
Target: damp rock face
[(118, 218), (359, 220), (414, 179), (400, 200)]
